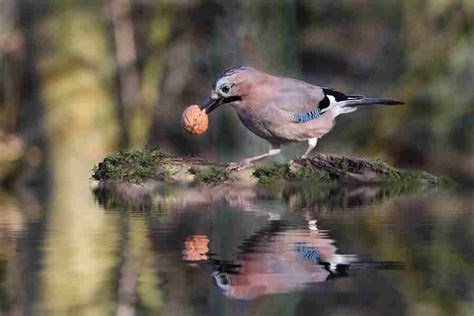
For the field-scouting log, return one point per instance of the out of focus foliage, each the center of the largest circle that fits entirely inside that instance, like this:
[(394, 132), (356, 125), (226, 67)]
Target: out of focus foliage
[(147, 60), (82, 79)]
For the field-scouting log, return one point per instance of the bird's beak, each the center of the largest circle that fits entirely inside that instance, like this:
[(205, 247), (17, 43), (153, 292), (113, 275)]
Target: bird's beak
[(212, 102)]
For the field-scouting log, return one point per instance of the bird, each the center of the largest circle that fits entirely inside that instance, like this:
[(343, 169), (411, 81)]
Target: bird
[(281, 110)]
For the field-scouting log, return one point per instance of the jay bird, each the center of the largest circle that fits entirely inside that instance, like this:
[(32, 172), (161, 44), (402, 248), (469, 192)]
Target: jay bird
[(282, 110)]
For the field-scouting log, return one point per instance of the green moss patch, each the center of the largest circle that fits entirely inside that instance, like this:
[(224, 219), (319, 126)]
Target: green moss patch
[(393, 174), (324, 169), (137, 166), (304, 170), (266, 174), (210, 175), (134, 166), (292, 171)]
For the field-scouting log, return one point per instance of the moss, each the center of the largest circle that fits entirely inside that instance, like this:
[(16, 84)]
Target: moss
[(270, 173), (210, 176), (397, 175), (308, 172), (343, 164), (138, 166), (133, 166), (193, 171), (215, 175), (167, 173), (328, 169)]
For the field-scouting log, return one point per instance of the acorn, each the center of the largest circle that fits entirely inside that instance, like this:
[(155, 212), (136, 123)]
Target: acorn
[(194, 120)]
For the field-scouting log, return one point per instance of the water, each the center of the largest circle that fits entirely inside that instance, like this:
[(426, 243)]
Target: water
[(294, 250)]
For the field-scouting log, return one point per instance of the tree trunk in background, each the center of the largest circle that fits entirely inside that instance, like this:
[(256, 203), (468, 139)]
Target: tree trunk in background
[(81, 128), (21, 108), (10, 48), (126, 58)]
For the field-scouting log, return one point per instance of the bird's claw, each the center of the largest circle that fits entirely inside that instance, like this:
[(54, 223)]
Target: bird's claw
[(237, 166)]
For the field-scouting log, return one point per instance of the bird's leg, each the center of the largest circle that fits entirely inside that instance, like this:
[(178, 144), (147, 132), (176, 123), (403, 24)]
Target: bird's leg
[(274, 150), (311, 144)]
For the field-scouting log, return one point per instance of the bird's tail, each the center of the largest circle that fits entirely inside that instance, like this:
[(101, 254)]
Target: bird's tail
[(357, 101), (351, 104)]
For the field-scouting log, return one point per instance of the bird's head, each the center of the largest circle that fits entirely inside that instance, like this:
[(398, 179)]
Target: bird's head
[(228, 88)]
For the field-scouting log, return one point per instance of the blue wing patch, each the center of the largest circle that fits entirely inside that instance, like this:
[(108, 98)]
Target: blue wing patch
[(310, 254), (304, 117)]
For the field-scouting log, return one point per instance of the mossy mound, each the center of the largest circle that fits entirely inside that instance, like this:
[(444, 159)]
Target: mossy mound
[(133, 166), (323, 168), (210, 175), (138, 166)]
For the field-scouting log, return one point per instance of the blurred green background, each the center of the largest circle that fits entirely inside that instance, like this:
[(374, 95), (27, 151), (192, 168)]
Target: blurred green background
[(81, 79), (96, 76)]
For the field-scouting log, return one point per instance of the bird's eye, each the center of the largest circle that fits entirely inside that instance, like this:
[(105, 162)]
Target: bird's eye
[(225, 89)]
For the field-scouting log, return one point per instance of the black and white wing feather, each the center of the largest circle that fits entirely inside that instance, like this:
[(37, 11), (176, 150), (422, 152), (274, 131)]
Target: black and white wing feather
[(307, 102)]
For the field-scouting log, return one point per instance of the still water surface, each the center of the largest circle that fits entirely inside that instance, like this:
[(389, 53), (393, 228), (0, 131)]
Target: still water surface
[(239, 251)]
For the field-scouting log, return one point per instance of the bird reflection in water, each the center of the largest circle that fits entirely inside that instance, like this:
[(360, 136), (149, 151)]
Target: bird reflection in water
[(280, 259), (277, 259)]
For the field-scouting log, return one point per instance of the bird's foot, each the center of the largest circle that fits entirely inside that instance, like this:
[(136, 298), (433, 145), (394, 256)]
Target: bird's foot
[(237, 166)]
